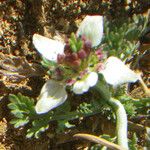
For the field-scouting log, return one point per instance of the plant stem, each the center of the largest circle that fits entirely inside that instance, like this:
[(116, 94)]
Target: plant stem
[(121, 122), (69, 116), (75, 115), (121, 116)]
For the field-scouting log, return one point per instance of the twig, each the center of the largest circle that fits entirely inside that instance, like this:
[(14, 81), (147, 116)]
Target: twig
[(99, 140), (145, 88)]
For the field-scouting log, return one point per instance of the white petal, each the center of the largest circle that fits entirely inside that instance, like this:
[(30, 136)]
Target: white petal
[(117, 73), (80, 87), (92, 79), (47, 47), (52, 95), (92, 28)]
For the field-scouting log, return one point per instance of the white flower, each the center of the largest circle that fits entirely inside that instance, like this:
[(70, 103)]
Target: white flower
[(47, 47), (52, 95), (117, 73), (83, 85), (92, 28)]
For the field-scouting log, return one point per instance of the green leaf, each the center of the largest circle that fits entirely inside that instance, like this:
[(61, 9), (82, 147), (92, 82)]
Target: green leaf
[(22, 107), (85, 108), (79, 44), (62, 125), (75, 43), (29, 134), (17, 113), (121, 36), (133, 142), (38, 126), (73, 48), (13, 98), (19, 122), (47, 63), (12, 106)]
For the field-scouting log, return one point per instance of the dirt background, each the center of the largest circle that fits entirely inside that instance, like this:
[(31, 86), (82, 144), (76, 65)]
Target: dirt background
[(20, 69)]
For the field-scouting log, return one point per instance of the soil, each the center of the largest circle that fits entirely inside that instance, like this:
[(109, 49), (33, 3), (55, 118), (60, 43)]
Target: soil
[(20, 69)]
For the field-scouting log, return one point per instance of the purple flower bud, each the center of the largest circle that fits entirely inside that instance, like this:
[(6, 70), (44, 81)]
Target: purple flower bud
[(70, 82), (87, 45), (60, 58), (58, 72), (76, 63), (66, 40), (67, 49), (71, 57), (82, 54), (99, 53), (68, 58), (74, 56), (83, 38)]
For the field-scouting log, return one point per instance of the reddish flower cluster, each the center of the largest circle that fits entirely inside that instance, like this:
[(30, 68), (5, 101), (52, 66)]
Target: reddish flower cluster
[(99, 53), (74, 59)]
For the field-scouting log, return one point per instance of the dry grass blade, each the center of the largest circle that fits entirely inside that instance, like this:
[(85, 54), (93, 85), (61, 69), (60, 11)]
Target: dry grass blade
[(99, 140), (145, 88)]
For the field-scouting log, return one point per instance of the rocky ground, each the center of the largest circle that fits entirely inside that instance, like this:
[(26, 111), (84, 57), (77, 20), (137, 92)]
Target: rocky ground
[(20, 69)]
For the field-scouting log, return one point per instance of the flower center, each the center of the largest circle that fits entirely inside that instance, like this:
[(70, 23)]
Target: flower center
[(77, 60), (76, 51)]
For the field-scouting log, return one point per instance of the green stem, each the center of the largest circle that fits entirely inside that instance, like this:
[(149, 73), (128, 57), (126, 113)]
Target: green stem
[(120, 112), (71, 115), (75, 115), (121, 117)]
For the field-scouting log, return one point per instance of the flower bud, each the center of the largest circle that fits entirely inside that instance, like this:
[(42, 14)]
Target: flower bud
[(68, 58), (99, 53), (76, 63), (82, 54), (87, 45), (60, 58), (67, 49), (71, 57), (83, 38), (70, 82), (58, 74), (74, 56)]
